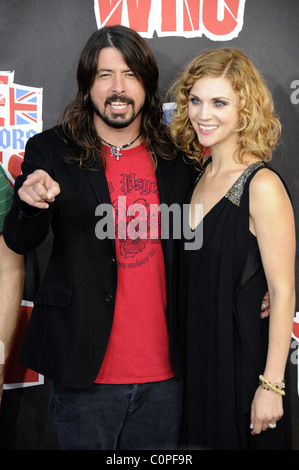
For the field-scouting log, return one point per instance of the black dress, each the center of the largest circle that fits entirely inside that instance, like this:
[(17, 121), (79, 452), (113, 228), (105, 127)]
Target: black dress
[(222, 286)]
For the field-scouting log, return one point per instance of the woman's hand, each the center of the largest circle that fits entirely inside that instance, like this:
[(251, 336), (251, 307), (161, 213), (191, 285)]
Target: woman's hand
[(266, 409)]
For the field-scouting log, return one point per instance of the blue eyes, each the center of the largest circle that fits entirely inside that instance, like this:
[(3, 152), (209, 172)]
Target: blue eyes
[(218, 103)]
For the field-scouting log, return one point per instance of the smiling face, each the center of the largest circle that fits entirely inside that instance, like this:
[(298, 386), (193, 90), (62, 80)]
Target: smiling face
[(213, 112), (117, 95)]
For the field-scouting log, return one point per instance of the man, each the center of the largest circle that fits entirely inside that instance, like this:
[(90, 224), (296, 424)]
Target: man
[(100, 328), (11, 282)]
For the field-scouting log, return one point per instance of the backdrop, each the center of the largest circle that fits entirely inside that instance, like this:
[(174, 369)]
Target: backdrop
[(41, 41)]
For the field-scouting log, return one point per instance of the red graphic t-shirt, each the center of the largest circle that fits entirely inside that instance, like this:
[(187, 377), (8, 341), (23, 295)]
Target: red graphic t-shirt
[(138, 349)]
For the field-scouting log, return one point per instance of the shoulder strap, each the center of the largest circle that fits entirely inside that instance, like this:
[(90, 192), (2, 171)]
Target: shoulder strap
[(234, 194)]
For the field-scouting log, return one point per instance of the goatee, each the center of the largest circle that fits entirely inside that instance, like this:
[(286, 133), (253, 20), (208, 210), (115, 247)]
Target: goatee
[(115, 120)]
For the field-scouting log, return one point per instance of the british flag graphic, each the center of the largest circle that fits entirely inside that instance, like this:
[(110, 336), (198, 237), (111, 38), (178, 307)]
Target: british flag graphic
[(24, 105), (20, 118)]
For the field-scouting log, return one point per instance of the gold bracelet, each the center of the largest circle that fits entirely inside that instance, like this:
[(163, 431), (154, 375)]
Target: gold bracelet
[(275, 388)]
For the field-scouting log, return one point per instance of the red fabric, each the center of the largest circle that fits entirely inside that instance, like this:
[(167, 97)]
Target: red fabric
[(138, 349)]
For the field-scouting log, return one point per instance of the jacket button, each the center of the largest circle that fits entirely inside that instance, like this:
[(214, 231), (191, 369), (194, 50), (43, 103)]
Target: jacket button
[(20, 214), (108, 298)]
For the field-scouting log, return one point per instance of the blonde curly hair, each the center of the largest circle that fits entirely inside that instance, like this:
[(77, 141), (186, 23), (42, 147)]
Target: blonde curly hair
[(259, 128)]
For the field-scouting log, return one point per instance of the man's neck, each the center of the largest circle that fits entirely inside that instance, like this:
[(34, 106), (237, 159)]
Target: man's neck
[(119, 137)]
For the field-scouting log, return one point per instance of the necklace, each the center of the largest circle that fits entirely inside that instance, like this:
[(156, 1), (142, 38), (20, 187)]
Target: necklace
[(115, 149)]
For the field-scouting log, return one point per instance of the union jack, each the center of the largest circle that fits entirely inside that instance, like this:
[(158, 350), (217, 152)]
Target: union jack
[(23, 105)]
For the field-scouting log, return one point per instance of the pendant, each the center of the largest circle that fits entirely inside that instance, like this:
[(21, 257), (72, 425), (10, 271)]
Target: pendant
[(115, 152)]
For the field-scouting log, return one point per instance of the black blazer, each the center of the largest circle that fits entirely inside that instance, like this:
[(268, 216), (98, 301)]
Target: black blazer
[(73, 309)]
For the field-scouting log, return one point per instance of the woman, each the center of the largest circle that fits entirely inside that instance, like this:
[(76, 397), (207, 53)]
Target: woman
[(248, 248)]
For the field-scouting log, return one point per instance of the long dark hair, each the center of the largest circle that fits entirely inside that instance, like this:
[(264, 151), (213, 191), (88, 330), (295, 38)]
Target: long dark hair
[(76, 121)]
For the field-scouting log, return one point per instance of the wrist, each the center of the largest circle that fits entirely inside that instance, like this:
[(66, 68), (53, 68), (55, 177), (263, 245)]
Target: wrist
[(278, 386)]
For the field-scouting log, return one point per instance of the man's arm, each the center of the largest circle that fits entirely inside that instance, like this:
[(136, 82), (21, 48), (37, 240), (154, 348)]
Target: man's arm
[(266, 306), (11, 291)]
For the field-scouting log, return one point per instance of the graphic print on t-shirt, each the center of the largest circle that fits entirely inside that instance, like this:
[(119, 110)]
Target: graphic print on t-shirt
[(135, 199), (134, 226)]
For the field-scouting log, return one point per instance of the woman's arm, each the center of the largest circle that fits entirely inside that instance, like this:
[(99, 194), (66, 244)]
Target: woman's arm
[(272, 221)]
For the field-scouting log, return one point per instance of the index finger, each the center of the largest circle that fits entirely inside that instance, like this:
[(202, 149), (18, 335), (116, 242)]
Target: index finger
[(36, 177)]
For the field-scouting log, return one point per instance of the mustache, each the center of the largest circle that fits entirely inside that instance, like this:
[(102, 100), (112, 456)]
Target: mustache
[(121, 98)]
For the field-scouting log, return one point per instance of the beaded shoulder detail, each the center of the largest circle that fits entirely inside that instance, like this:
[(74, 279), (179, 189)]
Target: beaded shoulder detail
[(234, 194)]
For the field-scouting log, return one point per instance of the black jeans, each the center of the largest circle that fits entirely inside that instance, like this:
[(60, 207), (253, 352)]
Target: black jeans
[(118, 417)]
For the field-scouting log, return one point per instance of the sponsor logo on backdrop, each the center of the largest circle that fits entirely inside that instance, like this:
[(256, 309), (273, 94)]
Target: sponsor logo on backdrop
[(218, 20), (20, 118), (295, 345), (294, 97)]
